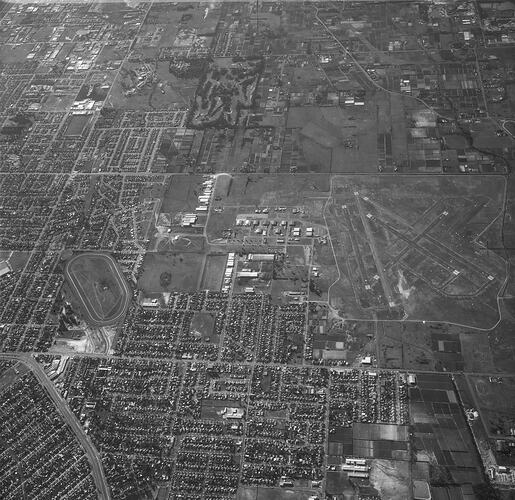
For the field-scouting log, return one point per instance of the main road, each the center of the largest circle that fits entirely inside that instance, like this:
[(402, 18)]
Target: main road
[(97, 470)]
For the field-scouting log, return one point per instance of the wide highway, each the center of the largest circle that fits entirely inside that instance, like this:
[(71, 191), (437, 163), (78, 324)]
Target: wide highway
[(97, 469)]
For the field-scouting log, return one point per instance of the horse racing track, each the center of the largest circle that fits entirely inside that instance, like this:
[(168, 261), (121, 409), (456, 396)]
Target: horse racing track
[(97, 282)]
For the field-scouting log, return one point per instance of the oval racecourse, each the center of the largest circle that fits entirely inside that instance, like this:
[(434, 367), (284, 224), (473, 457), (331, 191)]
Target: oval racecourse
[(97, 282)]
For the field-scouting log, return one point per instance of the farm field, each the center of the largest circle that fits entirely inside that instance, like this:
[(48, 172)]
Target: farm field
[(440, 432)]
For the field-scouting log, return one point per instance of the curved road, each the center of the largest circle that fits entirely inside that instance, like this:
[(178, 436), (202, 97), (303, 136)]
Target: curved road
[(97, 470)]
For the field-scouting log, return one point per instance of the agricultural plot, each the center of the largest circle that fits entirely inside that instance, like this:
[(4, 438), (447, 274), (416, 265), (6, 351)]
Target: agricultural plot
[(384, 441), (413, 248), (441, 437), (99, 287)]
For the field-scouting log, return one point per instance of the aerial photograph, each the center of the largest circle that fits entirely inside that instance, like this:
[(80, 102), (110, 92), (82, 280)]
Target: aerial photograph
[(257, 250)]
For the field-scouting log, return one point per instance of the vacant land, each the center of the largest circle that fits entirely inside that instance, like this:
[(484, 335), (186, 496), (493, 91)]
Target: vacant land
[(202, 325), (264, 493), (179, 243), (213, 272), (182, 271), (77, 124), (269, 190), (181, 196), (334, 139), (391, 478), (433, 346), (502, 344), (98, 285), (214, 409), (495, 399), (17, 260), (343, 340)]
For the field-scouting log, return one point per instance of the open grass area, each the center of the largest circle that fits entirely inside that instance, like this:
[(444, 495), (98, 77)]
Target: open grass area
[(344, 340), (265, 190), (203, 325), (391, 478), (77, 124), (170, 242), (433, 346), (263, 493), (181, 195), (335, 139), (495, 398), (212, 408), (213, 272), (17, 260), (184, 271), (502, 344)]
